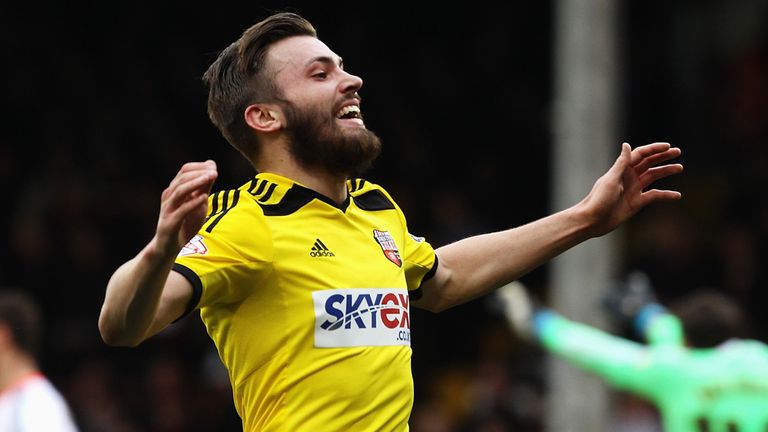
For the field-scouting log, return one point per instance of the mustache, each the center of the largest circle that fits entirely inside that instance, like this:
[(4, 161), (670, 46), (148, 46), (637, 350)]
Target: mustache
[(352, 97)]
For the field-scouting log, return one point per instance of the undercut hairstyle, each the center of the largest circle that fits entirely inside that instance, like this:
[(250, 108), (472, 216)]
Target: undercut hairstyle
[(239, 78), (21, 315)]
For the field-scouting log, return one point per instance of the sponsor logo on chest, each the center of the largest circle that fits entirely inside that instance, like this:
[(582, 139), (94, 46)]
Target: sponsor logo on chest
[(361, 317)]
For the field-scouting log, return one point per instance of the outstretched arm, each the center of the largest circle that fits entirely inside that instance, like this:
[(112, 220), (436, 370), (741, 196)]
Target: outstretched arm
[(143, 296), (477, 265), (621, 362)]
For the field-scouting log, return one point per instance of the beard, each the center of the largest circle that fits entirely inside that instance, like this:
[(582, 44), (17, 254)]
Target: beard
[(317, 141)]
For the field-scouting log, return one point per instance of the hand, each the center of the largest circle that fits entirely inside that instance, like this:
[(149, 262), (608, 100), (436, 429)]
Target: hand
[(183, 206), (626, 301), (620, 192)]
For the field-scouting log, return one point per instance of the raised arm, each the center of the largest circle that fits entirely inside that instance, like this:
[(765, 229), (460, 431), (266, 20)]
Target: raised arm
[(143, 295), (477, 265), (622, 363)]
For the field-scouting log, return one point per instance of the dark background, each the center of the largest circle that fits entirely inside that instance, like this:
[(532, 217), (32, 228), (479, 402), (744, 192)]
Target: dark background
[(102, 102)]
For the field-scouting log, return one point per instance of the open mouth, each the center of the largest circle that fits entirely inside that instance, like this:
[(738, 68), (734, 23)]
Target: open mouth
[(349, 112)]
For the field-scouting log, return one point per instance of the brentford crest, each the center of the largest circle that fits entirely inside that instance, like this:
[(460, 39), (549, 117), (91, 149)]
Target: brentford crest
[(387, 243), (194, 246)]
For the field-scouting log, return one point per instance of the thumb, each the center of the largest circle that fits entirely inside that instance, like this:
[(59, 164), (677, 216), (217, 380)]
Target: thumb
[(624, 159), (626, 153)]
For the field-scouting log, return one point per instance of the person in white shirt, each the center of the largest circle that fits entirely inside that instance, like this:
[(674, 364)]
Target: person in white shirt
[(28, 400)]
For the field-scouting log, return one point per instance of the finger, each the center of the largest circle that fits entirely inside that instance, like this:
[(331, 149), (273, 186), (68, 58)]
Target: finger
[(176, 218), (653, 174), (657, 195), (201, 183), (626, 152), (186, 172), (657, 159), (191, 168), (642, 152), (198, 203), (623, 159), (189, 176), (184, 178), (194, 166)]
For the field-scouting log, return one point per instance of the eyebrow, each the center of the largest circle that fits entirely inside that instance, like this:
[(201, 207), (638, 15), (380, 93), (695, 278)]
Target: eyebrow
[(327, 60)]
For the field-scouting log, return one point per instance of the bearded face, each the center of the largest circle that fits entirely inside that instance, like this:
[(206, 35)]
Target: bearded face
[(318, 140)]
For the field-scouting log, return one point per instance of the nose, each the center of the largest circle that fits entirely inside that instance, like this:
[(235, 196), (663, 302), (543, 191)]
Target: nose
[(350, 83)]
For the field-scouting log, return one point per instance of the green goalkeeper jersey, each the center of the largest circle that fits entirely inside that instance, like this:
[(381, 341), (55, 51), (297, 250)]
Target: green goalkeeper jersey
[(722, 389)]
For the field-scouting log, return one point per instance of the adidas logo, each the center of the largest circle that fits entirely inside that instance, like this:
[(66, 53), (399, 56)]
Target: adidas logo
[(320, 250)]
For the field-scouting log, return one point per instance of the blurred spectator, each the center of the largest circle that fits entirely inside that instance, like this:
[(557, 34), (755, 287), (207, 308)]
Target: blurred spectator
[(28, 400)]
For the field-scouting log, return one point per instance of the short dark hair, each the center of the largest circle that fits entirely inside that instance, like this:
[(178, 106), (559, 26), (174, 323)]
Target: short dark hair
[(22, 317), (710, 317), (238, 77)]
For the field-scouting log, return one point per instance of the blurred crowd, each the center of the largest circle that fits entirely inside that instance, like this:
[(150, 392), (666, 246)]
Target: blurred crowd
[(102, 103)]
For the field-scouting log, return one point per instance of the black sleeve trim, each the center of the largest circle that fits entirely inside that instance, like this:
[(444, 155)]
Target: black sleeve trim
[(431, 273), (418, 293), (197, 287)]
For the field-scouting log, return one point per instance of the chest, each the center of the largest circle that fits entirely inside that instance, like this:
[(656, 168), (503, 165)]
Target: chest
[(338, 250)]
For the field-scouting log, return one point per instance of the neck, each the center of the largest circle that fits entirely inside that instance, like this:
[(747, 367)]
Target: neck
[(333, 187), (317, 179), (14, 366)]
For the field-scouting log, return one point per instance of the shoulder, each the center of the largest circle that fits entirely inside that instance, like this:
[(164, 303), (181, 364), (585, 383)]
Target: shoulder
[(40, 395), (744, 348), (39, 390), (370, 196), (230, 207)]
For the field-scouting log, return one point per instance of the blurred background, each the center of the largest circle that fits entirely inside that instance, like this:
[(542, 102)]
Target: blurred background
[(103, 101)]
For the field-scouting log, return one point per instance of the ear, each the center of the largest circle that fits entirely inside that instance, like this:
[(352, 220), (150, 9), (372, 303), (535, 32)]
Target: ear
[(263, 117)]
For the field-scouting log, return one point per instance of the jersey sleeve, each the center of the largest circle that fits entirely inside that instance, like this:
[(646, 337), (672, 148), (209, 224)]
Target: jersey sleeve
[(419, 258), (420, 261), (227, 256), (624, 364)]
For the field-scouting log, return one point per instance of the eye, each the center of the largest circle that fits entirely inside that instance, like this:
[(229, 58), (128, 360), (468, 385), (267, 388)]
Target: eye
[(320, 75)]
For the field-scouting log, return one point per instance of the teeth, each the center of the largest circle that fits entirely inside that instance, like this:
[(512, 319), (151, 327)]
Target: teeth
[(348, 109)]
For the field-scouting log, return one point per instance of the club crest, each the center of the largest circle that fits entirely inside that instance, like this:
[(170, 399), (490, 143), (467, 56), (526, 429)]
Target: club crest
[(388, 246), (194, 246)]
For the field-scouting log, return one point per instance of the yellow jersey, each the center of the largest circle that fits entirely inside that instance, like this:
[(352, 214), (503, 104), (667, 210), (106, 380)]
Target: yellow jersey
[(307, 302)]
